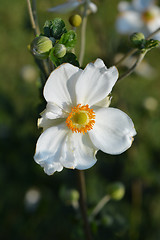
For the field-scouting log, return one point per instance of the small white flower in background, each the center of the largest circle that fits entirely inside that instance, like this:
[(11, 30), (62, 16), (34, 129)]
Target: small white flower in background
[(77, 120), (150, 103), (138, 16), (32, 198), (29, 73), (71, 5)]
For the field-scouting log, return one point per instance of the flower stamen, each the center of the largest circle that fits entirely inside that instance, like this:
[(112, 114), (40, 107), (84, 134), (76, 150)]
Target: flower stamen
[(81, 119), (148, 16)]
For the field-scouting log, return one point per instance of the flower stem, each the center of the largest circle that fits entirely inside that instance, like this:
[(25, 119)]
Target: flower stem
[(153, 33), (99, 206), (83, 205), (34, 10), (131, 52), (130, 70), (32, 17), (83, 33), (34, 22)]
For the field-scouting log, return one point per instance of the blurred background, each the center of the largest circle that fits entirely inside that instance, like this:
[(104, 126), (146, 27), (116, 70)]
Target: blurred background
[(36, 206)]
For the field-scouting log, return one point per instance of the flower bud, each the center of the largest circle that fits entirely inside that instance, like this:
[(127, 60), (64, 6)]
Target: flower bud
[(116, 191), (41, 46), (59, 50), (75, 20), (137, 39)]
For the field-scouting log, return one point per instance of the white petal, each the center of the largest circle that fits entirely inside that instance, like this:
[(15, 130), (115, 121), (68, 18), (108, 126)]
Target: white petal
[(113, 131), (59, 88), (53, 111), (57, 148), (46, 123), (92, 7), (103, 103), (95, 83), (155, 23), (124, 6), (66, 7), (83, 150), (48, 148), (142, 5), (129, 22)]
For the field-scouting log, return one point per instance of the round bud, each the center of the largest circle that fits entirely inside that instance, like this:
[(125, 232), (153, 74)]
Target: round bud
[(59, 50), (75, 20), (116, 190), (41, 46), (137, 39)]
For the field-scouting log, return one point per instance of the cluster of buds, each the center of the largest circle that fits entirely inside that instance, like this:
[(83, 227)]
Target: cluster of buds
[(56, 42), (139, 41)]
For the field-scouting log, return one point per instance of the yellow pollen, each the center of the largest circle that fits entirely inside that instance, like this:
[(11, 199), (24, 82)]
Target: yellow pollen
[(81, 119), (147, 16)]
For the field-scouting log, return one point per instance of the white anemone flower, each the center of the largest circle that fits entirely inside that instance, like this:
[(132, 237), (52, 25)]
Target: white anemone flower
[(71, 5), (77, 120), (138, 16)]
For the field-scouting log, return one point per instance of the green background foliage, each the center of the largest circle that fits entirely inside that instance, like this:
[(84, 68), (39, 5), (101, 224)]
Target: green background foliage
[(137, 215)]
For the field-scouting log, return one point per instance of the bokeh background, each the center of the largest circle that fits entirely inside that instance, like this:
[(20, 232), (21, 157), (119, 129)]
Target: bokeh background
[(36, 206)]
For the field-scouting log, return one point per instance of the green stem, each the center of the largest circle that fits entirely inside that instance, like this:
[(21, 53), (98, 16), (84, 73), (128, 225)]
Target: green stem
[(83, 33), (99, 206), (32, 20), (131, 52), (130, 70), (83, 205), (34, 10)]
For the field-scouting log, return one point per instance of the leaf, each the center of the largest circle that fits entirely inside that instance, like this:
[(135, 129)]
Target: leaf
[(54, 28), (69, 39), (68, 58)]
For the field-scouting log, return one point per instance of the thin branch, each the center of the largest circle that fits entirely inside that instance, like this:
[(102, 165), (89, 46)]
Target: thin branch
[(42, 64), (83, 205), (130, 70), (131, 52), (34, 10), (99, 206), (31, 17), (152, 34), (83, 33)]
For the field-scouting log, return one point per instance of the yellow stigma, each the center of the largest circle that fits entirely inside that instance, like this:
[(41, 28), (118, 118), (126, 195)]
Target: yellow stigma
[(81, 119), (147, 16)]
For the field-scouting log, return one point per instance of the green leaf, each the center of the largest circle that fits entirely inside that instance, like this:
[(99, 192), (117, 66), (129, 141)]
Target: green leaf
[(68, 58), (150, 44), (46, 28), (54, 28), (55, 60), (69, 39)]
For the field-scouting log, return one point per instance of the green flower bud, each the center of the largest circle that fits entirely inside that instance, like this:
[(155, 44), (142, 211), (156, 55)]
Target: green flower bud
[(59, 50), (116, 191), (75, 20), (41, 46), (137, 39)]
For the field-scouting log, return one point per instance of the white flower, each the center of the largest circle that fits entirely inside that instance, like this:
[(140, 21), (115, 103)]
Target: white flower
[(138, 16), (71, 5), (77, 120)]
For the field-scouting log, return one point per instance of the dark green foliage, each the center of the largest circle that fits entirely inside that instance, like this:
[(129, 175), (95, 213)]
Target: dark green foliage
[(54, 28), (69, 39), (69, 57)]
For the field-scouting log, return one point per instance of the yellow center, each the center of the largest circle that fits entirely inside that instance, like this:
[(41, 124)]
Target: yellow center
[(81, 119), (147, 16)]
